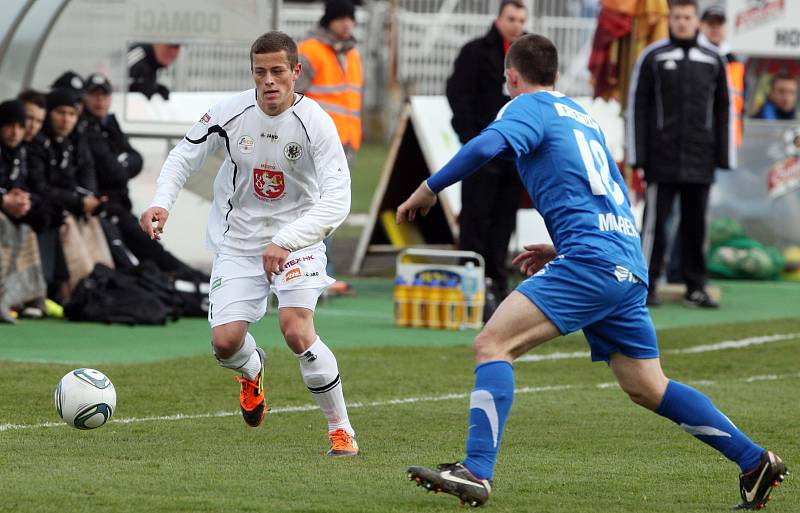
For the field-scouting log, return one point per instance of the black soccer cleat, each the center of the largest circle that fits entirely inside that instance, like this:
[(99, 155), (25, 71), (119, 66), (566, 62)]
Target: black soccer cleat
[(455, 479), (699, 299), (756, 485)]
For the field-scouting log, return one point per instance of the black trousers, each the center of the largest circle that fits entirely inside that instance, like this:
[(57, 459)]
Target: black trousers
[(489, 202), (142, 246), (691, 233)]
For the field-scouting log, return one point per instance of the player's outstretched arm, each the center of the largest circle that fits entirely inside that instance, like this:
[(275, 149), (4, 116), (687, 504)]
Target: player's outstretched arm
[(153, 221), (534, 257), (477, 152), (420, 200)]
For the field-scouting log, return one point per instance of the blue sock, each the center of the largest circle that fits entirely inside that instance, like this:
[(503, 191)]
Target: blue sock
[(489, 405), (697, 415)]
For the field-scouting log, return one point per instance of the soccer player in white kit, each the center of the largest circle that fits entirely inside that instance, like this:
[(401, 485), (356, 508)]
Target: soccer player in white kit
[(284, 186)]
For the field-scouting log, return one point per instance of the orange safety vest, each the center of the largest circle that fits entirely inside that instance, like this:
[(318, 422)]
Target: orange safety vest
[(735, 71), (337, 90)]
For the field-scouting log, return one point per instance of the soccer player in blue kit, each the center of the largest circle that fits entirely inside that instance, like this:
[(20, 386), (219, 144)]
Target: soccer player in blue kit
[(594, 278)]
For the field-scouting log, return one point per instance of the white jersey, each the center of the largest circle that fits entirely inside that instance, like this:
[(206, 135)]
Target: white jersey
[(284, 179)]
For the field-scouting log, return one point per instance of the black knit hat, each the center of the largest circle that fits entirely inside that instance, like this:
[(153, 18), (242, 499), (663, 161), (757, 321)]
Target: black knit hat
[(12, 112), (69, 80), (61, 97), (337, 9)]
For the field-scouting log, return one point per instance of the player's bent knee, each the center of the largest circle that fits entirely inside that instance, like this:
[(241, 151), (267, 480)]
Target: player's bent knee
[(646, 397), (226, 339), (487, 347), (298, 336), (225, 346)]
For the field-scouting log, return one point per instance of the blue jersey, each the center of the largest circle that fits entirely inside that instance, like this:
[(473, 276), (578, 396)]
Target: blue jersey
[(574, 183)]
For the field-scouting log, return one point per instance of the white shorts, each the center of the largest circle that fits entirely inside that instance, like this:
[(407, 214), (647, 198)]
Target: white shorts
[(239, 288)]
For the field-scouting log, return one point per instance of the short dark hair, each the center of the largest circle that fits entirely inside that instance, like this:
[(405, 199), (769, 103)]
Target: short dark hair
[(275, 41), (34, 97), (781, 75), (683, 3), (536, 59), (505, 3)]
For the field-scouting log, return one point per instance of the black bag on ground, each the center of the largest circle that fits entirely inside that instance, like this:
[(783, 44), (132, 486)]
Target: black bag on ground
[(158, 283), (110, 296)]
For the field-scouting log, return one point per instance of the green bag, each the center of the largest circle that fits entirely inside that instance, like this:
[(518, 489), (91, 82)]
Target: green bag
[(736, 256)]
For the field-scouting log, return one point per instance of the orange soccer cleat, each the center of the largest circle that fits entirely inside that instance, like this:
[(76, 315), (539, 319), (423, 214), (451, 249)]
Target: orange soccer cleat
[(251, 397), (342, 444)]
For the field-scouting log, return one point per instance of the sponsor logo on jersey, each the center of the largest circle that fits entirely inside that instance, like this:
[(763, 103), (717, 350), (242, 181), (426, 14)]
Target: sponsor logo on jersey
[(292, 263), (246, 144), (268, 183), (271, 137), (206, 118), (293, 274), (292, 151), (315, 273), (216, 283)]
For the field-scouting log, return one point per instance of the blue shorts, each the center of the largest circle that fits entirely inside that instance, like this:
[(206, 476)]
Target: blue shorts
[(606, 301)]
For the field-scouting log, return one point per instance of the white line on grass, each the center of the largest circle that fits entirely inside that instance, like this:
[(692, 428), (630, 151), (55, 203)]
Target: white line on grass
[(718, 346), (286, 409), (371, 404)]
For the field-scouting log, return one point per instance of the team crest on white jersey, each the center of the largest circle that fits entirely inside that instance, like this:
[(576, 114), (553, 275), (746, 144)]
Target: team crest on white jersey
[(268, 183), (246, 144), (292, 151)]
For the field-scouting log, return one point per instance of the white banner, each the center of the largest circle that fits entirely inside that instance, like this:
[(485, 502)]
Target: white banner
[(764, 27), (186, 20)]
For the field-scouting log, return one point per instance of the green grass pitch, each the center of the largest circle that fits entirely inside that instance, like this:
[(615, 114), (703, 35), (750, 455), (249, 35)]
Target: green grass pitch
[(574, 443)]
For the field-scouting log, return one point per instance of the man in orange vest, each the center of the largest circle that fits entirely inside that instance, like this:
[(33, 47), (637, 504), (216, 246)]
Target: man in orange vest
[(331, 72), (712, 30), (331, 75)]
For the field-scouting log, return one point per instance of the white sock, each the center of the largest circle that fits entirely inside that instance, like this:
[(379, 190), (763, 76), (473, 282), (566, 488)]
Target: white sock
[(321, 376), (246, 360)]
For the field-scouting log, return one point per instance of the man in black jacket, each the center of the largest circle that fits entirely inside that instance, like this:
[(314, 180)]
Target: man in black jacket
[(476, 92), (15, 197), (144, 61), (63, 175), (21, 277), (679, 132), (61, 162), (116, 163)]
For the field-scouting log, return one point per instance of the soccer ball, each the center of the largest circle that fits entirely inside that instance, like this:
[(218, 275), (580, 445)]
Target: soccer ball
[(85, 398)]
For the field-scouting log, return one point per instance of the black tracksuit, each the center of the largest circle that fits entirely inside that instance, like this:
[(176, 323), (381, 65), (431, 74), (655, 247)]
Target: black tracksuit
[(142, 71), (679, 132), (490, 197)]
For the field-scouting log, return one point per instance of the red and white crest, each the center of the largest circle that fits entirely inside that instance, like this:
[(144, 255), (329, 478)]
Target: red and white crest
[(268, 183)]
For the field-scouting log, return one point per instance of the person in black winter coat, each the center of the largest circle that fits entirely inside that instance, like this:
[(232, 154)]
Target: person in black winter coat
[(17, 201), (21, 278), (476, 93), (679, 131), (116, 163), (61, 162), (144, 61), (63, 175)]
